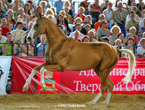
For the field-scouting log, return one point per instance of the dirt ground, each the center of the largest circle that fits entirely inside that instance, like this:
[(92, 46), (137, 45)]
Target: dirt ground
[(62, 101)]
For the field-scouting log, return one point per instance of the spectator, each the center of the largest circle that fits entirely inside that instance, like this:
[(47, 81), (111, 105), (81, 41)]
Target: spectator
[(121, 37), (50, 12), (95, 10), (91, 34), (141, 19), (133, 30), (76, 35), (139, 3), (32, 5), (24, 28), (58, 4), (128, 4), (54, 11), (81, 13), (29, 27), (60, 21), (105, 39), (67, 4), (2, 12), (77, 27), (2, 39), (62, 12), (68, 17), (50, 17), (141, 50), (130, 44), (12, 21), (132, 22), (118, 44), (8, 25), (116, 7), (48, 5), (109, 14), (105, 5), (72, 8), (43, 4), (25, 18), (38, 10), (60, 28), (86, 39), (86, 29), (3, 27), (27, 10), (102, 31), (78, 20), (97, 24), (5, 4), (88, 20), (142, 29), (16, 5), (7, 48), (42, 46), (18, 34), (84, 4), (134, 8), (143, 36), (119, 17), (27, 47), (141, 6), (136, 17), (115, 30)]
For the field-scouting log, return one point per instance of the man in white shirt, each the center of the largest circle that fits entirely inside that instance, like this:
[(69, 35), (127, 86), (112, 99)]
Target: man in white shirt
[(141, 19), (77, 27)]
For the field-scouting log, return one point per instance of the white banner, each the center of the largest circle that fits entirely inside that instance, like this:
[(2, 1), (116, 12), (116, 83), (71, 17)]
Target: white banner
[(5, 63)]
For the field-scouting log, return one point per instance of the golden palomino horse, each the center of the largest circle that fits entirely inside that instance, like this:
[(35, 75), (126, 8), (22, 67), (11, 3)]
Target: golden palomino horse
[(65, 53)]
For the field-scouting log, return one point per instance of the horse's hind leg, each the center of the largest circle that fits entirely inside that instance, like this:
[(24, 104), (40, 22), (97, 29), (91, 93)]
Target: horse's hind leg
[(110, 86), (33, 72), (106, 83)]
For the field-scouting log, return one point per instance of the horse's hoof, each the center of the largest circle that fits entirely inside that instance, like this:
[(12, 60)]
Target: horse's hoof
[(25, 88), (89, 103), (105, 102), (45, 88)]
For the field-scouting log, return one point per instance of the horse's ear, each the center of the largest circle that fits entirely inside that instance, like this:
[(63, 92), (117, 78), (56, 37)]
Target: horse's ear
[(40, 15), (36, 15)]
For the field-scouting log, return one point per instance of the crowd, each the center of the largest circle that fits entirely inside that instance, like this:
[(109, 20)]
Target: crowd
[(121, 25)]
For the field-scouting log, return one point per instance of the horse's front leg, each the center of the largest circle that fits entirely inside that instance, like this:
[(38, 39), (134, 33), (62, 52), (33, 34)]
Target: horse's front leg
[(52, 68), (34, 71)]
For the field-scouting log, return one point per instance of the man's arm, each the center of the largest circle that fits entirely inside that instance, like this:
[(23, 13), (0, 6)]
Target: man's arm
[(141, 56), (90, 8)]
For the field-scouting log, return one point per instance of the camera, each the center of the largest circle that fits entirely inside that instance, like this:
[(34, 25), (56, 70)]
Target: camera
[(11, 42), (29, 38)]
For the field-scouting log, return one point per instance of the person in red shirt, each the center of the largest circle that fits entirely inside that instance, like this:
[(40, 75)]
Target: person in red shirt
[(81, 13), (5, 29), (97, 24)]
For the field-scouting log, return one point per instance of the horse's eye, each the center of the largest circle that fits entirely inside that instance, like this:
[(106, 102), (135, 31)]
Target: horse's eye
[(37, 25)]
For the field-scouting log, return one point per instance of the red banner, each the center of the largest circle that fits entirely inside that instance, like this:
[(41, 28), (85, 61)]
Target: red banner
[(75, 81)]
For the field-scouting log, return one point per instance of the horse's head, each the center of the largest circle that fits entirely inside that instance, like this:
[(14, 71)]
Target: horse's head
[(38, 28)]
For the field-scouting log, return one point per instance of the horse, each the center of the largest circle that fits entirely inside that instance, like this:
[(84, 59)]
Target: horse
[(65, 53)]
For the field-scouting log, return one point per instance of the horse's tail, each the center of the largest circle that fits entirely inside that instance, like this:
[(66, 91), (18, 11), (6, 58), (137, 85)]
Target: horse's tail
[(132, 64)]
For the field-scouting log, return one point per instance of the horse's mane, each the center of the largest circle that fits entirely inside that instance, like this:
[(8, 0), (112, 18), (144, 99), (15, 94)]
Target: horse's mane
[(55, 28)]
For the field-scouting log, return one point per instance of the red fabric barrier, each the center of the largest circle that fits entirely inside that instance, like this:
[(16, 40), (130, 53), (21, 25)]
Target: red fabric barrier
[(75, 81)]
